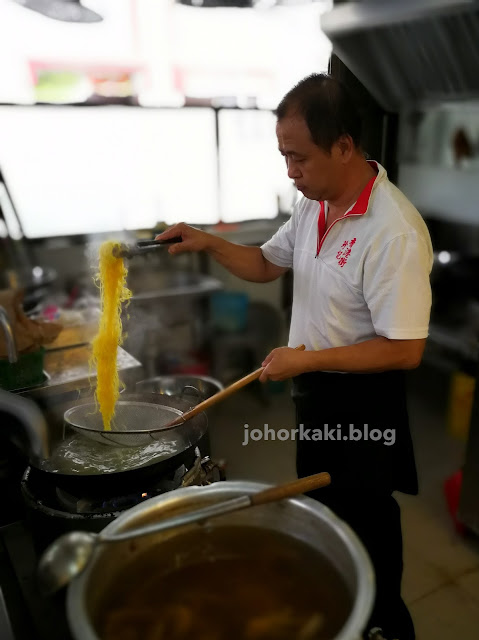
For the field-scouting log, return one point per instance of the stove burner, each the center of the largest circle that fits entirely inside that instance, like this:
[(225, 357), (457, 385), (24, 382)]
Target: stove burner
[(203, 472), (74, 504), (51, 511)]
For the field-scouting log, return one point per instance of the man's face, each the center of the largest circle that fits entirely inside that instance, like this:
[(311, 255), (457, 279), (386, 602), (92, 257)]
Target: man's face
[(315, 173)]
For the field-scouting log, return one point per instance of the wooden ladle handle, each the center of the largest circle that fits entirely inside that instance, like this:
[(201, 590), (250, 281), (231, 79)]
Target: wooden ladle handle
[(294, 488), (221, 395)]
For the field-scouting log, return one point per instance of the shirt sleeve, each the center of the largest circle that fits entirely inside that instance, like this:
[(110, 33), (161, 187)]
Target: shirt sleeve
[(397, 288), (280, 248)]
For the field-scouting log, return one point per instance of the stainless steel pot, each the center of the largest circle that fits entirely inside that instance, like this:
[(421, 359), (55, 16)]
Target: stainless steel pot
[(195, 389), (92, 468), (301, 518), (198, 387)]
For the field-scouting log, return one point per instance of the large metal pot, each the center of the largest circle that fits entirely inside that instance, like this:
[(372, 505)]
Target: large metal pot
[(198, 388), (195, 389), (126, 468), (300, 518)]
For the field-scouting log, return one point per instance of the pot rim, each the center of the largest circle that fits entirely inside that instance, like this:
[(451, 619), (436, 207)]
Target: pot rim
[(82, 629), (181, 376)]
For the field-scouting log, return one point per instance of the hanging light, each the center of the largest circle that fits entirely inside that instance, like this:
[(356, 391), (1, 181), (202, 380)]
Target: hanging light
[(64, 10)]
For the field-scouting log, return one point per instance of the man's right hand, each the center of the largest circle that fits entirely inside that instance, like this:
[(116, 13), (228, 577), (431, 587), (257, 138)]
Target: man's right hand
[(192, 239)]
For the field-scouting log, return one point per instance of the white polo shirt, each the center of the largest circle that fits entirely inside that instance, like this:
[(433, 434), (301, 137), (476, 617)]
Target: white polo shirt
[(370, 277)]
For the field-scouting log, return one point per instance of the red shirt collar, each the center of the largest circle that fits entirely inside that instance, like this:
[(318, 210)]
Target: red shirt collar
[(362, 203)]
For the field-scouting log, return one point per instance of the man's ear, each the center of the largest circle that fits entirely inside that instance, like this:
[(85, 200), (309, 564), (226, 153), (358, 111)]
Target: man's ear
[(346, 147)]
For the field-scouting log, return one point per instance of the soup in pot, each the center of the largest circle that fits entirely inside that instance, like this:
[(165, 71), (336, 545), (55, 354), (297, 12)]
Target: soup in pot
[(225, 583)]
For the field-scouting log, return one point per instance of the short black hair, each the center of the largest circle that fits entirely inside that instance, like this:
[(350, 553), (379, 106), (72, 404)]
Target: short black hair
[(326, 106)]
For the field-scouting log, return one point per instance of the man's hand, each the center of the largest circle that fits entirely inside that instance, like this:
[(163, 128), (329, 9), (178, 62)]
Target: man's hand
[(283, 363), (192, 239)]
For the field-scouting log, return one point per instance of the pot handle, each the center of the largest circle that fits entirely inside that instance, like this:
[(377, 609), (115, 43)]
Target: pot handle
[(197, 392)]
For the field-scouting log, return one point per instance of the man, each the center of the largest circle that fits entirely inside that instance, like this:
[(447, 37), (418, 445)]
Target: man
[(361, 256)]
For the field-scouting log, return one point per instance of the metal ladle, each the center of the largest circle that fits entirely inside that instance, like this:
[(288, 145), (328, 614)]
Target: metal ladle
[(69, 554)]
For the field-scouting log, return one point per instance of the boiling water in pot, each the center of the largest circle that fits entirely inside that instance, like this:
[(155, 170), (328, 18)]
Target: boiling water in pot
[(228, 583), (77, 455)]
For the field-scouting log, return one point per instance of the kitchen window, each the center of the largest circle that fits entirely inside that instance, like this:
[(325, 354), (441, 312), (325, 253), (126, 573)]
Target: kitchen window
[(153, 140)]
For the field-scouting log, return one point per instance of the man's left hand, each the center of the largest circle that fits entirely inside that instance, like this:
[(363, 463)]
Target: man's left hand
[(283, 363)]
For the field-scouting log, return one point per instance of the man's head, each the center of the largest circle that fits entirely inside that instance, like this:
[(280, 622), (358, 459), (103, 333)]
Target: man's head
[(318, 132)]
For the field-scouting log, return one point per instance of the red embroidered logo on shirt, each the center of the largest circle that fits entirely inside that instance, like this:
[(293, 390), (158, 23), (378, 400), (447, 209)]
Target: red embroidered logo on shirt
[(343, 254)]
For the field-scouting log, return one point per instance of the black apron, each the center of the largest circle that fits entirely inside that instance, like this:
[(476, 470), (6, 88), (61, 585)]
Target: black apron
[(377, 400)]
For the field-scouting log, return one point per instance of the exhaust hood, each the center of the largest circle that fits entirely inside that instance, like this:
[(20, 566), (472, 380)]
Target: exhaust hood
[(409, 53), (63, 10)]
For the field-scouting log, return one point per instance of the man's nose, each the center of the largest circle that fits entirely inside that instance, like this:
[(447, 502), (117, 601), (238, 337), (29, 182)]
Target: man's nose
[(293, 170)]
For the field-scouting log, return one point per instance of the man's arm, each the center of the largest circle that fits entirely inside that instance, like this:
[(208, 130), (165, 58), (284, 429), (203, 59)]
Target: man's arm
[(247, 263), (371, 356)]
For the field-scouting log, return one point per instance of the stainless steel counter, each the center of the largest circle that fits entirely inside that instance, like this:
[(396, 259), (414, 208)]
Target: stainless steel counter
[(69, 370)]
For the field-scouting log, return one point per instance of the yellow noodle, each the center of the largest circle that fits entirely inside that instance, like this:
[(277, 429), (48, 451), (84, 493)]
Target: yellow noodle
[(113, 291)]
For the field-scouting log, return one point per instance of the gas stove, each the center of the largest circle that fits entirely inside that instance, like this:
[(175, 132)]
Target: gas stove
[(52, 511), (25, 614)]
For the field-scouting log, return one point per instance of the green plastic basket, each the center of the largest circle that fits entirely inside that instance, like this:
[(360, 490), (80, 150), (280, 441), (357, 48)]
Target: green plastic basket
[(26, 372)]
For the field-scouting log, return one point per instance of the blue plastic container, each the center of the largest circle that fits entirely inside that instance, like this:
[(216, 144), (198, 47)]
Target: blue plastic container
[(229, 311)]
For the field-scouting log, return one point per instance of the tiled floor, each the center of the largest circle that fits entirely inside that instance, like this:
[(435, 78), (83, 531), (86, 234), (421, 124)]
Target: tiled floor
[(441, 576)]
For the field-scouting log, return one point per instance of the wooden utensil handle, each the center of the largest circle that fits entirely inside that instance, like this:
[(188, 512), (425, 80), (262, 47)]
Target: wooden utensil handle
[(294, 488), (225, 393)]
